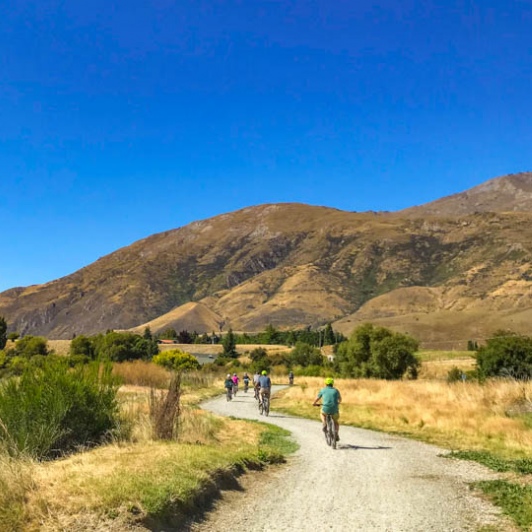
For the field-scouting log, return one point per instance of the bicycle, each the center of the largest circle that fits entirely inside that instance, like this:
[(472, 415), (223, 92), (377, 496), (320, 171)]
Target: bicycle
[(229, 394), (331, 436), (246, 386), (256, 395), (264, 405)]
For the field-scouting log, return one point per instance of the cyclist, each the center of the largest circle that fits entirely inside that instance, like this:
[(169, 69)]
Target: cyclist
[(245, 378), (256, 384), (228, 385), (291, 378), (330, 399), (235, 383), (265, 385)]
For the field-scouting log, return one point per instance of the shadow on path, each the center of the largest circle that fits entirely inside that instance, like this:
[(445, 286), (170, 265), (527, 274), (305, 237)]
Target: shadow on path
[(347, 447)]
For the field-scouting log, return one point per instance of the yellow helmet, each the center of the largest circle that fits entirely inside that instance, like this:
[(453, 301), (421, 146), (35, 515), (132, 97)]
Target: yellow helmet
[(329, 381)]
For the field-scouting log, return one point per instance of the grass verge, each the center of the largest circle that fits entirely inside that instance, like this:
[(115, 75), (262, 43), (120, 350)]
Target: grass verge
[(149, 484), (514, 499)]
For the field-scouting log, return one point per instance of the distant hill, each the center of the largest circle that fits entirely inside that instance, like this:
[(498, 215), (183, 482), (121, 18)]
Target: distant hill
[(451, 270)]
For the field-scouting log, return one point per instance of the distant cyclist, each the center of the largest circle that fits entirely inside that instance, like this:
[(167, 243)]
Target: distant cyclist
[(265, 385), (291, 378), (235, 383), (228, 385), (245, 378), (330, 399), (256, 384)]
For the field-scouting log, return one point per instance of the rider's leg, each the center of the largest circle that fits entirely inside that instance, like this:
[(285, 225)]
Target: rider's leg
[(323, 421)]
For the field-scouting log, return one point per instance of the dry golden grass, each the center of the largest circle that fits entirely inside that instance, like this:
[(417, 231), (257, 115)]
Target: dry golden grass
[(458, 416), (142, 373), (60, 347), (439, 369)]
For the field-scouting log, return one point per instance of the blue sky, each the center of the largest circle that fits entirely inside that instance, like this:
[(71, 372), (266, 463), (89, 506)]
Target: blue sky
[(120, 119)]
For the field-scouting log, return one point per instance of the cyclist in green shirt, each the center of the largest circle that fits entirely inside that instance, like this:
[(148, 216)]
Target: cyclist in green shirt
[(330, 399)]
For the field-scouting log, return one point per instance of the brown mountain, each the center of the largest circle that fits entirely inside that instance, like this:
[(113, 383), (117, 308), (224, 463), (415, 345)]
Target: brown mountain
[(449, 271)]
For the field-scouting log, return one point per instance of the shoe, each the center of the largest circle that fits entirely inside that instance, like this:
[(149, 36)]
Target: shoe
[(337, 438), (324, 428)]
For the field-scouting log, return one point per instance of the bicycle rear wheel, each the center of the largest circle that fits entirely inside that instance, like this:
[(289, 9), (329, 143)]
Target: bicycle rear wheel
[(331, 430), (261, 407), (267, 406)]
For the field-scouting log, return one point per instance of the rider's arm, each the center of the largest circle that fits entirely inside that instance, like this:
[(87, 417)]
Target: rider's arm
[(317, 399)]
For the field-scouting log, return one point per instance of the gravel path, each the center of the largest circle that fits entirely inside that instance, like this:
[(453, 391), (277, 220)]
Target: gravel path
[(372, 482)]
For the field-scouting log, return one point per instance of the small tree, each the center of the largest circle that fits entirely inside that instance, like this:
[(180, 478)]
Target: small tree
[(82, 346), (377, 352), (29, 346), (229, 345), (177, 360), (147, 335), (13, 336), (305, 355), (3, 332), (506, 354)]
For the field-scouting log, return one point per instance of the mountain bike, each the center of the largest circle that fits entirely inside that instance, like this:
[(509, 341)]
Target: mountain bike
[(264, 405), (229, 394), (331, 436), (256, 390)]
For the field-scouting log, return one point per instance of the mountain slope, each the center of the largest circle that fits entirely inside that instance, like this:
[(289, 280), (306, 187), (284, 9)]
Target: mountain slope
[(298, 265)]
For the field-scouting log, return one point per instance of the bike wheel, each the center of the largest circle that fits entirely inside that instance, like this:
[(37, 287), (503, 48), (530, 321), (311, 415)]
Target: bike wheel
[(261, 407), (332, 431), (267, 406)]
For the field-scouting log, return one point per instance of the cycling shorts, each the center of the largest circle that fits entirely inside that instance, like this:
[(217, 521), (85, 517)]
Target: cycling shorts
[(336, 417)]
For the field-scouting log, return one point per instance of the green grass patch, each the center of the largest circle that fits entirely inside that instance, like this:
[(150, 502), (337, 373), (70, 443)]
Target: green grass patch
[(276, 443), (515, 500), (494, 462), (426, 356)]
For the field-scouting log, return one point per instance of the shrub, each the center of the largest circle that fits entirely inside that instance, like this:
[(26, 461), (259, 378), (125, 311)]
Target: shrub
[(53, 409), (506, 355), (377, 352), (29, 346), (177, 360), (119, 347), (455, 375), (305, 355)]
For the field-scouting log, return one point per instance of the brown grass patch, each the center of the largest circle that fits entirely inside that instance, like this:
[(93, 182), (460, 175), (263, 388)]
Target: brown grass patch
[(458, 416)]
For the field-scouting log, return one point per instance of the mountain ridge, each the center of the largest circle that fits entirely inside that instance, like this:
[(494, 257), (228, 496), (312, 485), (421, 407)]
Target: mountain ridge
[(295, 265)]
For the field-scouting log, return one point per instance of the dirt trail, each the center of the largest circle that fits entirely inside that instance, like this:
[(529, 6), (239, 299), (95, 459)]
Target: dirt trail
[(372, 482)]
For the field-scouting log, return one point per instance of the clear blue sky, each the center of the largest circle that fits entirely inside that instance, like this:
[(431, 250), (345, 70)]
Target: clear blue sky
[(120, 119)]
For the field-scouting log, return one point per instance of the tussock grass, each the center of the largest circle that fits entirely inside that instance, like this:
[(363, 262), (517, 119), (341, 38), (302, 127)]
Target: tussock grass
[(142, 373), (149, 482), (457, 416)]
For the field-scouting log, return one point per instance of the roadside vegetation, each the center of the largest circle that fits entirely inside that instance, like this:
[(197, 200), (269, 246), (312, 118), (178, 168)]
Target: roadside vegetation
[(143, 465)]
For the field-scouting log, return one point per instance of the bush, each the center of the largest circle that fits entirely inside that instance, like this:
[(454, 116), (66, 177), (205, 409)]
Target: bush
[(119, 347), (506, 355), (305, 355), (30, 346), (177, 360), (377, 352), (53, 409), (455, 375)]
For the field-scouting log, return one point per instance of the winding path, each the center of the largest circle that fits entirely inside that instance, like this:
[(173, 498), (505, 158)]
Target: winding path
[(372, 482)]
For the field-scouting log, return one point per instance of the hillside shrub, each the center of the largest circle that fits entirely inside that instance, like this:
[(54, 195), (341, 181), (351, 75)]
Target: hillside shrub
[(51, 410), (122, 346), (377, 352), (29, 346), (177, 360), (305, 355), (506, 354), (82, 346)]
